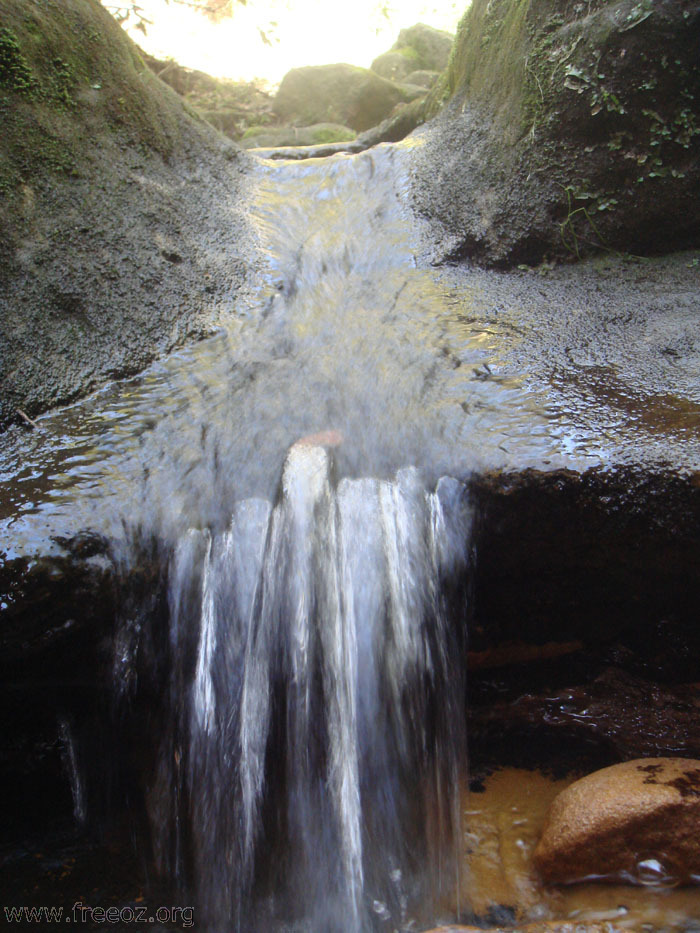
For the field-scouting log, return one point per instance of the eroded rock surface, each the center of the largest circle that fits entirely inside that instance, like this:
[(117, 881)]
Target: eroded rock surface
[(566, 132), (122, 220), (636, 820)]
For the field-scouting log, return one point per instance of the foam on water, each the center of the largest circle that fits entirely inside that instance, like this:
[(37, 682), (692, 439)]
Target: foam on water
[(316, 687)]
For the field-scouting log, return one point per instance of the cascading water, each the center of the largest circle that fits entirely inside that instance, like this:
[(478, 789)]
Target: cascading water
[(287, 673), (316, 696)]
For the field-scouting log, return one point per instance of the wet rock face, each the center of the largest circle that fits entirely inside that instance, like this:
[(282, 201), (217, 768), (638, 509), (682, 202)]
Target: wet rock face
[(637, 820), (567, 133), (563, 557), (345, 94)]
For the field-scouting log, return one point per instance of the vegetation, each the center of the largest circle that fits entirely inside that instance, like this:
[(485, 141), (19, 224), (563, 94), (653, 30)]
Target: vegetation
[(62, 84), (231, 106), (15, 72), (133, 12), (586, 97), (489, 55)]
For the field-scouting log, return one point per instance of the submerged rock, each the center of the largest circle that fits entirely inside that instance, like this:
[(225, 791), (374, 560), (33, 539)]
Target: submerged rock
[(637, 821), (566, 132), (345, 94)]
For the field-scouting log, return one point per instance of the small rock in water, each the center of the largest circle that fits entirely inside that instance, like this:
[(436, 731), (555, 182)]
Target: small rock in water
[(637, 822), (540, 926)]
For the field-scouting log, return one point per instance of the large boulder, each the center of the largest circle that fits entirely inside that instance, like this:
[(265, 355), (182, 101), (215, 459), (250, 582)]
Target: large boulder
[(396, 66), (431, 47), (112, 194), (566, 133), (418, 48), (423, 78), (345, 94), (637, 821)]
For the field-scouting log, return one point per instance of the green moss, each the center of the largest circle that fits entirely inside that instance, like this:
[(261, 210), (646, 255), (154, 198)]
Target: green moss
[(328, 135), (71, 84), (489, 55), (410, 54), (254, 131), (15, 72)]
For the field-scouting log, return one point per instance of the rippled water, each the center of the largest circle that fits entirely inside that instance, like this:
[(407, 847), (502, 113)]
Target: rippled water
[(307, 692), (344, 327)]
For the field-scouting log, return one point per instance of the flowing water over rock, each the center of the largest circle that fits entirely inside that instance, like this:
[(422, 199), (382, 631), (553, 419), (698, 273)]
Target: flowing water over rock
[(287, 665), (314, 704), (344, 328)]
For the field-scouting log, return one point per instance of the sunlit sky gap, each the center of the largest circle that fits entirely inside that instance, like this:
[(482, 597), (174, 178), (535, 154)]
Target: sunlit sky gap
[(305, 32)]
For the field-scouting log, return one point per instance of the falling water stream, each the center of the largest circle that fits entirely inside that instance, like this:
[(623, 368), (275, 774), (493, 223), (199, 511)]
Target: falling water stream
[(316, 704), (304, 685), (301, 653)]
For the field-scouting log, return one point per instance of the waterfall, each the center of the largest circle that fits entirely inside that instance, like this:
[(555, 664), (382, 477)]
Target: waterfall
[(306, 775)]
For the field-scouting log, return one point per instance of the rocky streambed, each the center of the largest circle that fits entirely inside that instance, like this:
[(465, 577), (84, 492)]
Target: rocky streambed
[(501, 471), (564, 399)]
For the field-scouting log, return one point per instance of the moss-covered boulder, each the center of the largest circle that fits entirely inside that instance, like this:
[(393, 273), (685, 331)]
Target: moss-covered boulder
[(568, 130), (318, 134), (111, 196), (423, 78), (430, 48), (396, 65), (344, 94), (418, 48)]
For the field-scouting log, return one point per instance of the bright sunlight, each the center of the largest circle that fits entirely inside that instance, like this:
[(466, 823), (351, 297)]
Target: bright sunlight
[(265, 38)]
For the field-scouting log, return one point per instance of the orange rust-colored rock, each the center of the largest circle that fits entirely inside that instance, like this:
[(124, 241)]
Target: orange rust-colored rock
[(638, 821), (545, 926)]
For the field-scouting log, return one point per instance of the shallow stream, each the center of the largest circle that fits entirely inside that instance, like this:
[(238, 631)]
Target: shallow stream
[(296, 660)]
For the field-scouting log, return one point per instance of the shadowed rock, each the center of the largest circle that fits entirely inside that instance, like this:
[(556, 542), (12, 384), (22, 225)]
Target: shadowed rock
[(566, 133)]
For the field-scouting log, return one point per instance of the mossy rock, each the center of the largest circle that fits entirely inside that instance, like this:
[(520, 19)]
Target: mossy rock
[(343, 94), (396, 65), (422, 78), (425, 46), (412, 91), (105, 175), (567, 133), (278, 136)]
